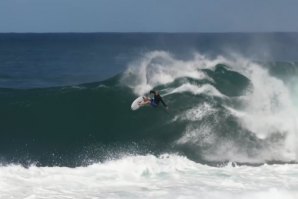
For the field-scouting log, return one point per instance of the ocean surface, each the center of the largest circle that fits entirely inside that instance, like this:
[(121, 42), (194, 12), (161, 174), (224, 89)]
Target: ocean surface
[(67, 130)]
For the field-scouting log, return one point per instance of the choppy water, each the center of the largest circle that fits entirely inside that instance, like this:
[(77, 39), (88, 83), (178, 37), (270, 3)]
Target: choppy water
[(230, 131)]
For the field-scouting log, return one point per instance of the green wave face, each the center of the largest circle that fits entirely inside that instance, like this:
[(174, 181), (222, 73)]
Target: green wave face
[(218, 111)]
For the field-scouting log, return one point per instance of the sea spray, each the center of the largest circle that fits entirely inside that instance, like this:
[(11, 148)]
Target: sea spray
[(266, 112)]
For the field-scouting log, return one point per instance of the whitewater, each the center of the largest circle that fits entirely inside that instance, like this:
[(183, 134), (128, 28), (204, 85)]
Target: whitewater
[(166, 176), (265, 108)]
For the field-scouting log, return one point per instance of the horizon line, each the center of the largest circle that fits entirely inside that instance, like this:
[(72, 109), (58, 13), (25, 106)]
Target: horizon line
[(153, 32)]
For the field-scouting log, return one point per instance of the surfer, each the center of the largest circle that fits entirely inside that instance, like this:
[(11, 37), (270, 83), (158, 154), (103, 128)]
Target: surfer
[(154, 102)]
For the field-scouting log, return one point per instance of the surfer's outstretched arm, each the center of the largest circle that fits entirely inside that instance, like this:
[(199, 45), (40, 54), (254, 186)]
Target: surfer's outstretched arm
[(163, 103)]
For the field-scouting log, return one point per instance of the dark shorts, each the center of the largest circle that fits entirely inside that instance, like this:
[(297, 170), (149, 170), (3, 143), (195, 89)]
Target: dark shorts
[(152, 103)]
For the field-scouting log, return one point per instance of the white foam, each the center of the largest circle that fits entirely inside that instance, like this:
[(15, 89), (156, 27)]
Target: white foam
[(196, 113), (206, 89), (197, 134), (159, 68), (269, 110), (167, 176), (268, 107)]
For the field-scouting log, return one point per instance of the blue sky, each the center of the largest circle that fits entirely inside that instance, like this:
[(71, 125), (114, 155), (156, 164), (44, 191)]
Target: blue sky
[(148, 15)]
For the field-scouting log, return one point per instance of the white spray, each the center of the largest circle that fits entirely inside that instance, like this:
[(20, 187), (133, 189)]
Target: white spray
[(268, 107)]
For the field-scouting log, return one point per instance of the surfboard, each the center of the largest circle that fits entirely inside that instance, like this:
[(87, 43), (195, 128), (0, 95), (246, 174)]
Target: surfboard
[(137, 103)]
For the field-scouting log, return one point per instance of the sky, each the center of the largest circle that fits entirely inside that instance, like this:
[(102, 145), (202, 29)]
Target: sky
[(148, 16)]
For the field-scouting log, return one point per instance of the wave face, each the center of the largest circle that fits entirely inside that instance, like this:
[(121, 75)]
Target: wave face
[(221, 110)]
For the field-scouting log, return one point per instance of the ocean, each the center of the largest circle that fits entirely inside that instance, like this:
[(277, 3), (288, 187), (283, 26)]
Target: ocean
[(67, 130)]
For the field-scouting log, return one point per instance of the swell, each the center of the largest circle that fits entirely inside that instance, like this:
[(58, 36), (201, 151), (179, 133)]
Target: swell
[(70, 125), (211, 107)]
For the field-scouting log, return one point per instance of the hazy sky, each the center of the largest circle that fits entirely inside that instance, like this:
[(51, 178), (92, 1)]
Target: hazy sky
[(148, 15)]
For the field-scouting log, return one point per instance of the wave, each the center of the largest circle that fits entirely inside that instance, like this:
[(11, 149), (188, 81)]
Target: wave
[(221, 109), (148, 176), (251, 116)]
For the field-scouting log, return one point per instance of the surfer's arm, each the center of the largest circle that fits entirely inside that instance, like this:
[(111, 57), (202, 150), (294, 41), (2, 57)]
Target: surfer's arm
[(163, 103)]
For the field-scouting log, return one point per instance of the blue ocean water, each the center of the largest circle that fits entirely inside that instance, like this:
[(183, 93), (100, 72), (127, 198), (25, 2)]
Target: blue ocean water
[(65, 115), (45, 60)]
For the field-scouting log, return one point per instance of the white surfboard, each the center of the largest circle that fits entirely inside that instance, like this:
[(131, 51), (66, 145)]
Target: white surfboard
[(137, 103)]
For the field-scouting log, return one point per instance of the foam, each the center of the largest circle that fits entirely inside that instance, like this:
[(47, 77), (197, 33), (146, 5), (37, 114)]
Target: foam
[(166, 176), (267, 107), (206, 89), (158, 68), (269, 110)]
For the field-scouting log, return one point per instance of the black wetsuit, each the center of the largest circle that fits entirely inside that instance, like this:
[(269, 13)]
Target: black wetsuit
[(156, 100)]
